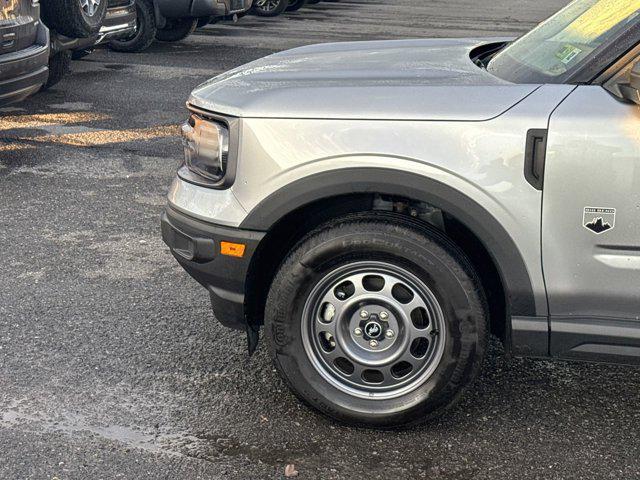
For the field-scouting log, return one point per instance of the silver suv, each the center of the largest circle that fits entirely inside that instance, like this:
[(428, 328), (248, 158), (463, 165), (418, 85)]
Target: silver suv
[(380, 208)]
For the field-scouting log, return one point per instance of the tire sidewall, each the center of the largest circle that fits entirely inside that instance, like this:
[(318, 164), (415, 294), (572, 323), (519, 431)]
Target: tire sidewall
[(94, 22), (454, 288), (145, 34)]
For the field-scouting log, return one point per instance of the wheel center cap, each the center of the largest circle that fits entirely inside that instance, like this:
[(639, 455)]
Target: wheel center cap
[(373, 329)]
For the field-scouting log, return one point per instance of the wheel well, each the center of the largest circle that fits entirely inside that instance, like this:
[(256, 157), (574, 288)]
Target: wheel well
[(290, 229)]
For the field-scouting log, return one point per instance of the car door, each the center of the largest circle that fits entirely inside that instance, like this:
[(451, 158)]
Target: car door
[(591, 227)]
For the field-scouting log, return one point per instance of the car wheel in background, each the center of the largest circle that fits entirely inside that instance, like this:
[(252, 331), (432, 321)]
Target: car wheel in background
[(269, 8), (177, 29), (204, 21), (59, 66), (295, 5), (145, 32), (377, 320), (74, 18)]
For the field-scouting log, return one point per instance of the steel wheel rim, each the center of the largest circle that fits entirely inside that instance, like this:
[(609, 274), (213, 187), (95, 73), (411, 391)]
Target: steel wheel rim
[(90, 7), (401, 366), (268, 5)]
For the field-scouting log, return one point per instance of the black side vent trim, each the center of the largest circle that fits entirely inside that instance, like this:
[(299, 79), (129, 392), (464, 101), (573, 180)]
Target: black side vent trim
[(535, 156)]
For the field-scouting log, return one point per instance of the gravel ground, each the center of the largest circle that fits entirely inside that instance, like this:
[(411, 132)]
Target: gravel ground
[(111, 365)]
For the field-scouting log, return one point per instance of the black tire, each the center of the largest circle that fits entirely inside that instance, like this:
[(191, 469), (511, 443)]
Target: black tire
[(313, 2), (295, 5), (203, 22), (268, 8), (145, 32), (70, 18), (177, 29), (413, 247), (59, 66)]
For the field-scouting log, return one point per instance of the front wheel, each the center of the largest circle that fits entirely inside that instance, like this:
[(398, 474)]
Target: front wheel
[(74, 18), (377, 321), (269, 8), (145, 33)]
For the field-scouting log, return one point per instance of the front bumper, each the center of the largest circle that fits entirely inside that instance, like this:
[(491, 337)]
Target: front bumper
[(23, 72), (196, 246)]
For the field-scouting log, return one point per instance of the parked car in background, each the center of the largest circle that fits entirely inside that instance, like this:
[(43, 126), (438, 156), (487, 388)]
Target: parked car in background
[(174, 20), (118, 21), (24, 50), (381, 207)]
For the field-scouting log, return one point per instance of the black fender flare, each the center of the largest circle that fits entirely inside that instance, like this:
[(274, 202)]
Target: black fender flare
[(497, 241)]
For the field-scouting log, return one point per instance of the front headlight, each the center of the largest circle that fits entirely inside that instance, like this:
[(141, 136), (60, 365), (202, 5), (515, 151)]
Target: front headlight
[(206, 147)]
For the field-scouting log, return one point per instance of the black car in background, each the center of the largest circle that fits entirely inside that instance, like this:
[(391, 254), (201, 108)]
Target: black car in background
[(24, 50)]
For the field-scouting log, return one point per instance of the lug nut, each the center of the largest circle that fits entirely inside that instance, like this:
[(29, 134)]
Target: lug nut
[(373, 343), (384, 315), (364, 314), (390, 333), (357, 331)]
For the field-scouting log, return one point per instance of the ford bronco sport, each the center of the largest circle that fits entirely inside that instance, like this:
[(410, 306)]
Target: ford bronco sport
[(379, 208)]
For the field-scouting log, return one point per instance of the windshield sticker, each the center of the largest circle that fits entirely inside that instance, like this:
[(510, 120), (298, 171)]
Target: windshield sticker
[(568, 53), (599, 219)]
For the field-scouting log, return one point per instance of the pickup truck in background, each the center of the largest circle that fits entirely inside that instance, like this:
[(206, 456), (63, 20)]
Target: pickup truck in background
[(119, 21), (24, 50), (37, 41)]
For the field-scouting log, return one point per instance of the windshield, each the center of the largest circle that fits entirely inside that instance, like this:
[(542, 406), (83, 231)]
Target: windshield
[(560, 46)]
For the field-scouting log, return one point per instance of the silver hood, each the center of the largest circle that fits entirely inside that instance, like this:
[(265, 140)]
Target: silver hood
[(395, 80)]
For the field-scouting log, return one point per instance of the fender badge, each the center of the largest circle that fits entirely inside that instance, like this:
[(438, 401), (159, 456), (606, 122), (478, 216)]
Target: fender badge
[(598, 219)]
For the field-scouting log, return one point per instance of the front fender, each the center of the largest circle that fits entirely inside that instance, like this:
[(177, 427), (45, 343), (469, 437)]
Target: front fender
[(494, 236)]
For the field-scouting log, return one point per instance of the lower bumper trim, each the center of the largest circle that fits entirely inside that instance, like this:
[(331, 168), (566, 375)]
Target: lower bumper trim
[(196, 246)]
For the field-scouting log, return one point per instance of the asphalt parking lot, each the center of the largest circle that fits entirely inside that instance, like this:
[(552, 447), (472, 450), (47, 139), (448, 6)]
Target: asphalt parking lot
[(111, 364)]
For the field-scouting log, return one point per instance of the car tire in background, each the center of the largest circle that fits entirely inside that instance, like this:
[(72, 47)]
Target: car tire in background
[(313, 2), (176, 29), (295, 5), (377, 320), (268, 8), (59, 66), (145, 33), (204, 21), (74, 18)]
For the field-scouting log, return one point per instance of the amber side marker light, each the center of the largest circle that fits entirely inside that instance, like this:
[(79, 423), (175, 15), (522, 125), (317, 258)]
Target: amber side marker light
[(232, 249)]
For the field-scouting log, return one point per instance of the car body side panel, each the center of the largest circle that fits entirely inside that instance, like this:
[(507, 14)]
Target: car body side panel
[(593, 279)]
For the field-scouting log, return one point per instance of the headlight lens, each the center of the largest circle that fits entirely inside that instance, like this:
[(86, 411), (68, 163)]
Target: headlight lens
[(206, 147)]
